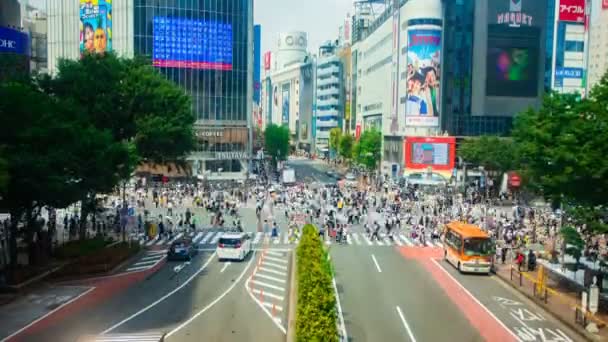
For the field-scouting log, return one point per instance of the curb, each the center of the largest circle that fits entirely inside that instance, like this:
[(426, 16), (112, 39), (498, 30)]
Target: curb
[(293, 300), (577, 329)]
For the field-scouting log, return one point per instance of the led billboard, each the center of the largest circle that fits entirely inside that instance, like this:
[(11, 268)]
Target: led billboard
[(95, 26), (192, 44), (436, 153), (423, 77), (512, 61)]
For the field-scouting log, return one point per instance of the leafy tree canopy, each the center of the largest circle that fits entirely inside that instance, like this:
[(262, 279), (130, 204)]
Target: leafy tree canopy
[(334, 138), (276, 140), (346, 146), (368, 150), (492, 152)]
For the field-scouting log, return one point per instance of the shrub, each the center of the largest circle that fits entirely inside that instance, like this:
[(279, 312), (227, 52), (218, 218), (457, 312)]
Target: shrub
[(78, 248), (316, 310)]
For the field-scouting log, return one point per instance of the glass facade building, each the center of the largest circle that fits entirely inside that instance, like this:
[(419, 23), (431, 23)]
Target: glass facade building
[(457, 90), (221, 96)]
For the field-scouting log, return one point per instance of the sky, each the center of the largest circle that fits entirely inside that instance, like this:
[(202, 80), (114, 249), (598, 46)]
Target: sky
[(319, 18)]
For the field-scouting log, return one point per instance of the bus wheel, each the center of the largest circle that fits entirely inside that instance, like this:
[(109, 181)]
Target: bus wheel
[(459, 270)]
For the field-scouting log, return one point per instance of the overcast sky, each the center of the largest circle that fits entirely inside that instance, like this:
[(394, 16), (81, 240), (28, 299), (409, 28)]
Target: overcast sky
[(319, 18)]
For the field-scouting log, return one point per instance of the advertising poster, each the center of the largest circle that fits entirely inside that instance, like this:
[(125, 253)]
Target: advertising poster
[(572, 10), (285, 104), (95, 26), (13, 41), (423, 77), (605, 4)]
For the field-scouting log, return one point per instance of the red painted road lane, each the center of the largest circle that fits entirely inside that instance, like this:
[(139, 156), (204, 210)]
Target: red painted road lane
[(487, 325), (105, 287)]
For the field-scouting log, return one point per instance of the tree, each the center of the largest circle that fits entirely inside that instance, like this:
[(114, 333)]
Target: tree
[(4, 176), (491, 152), (573, 243), (40, 135), (334, 139), (368, 150), (346, 146), (276, 140)]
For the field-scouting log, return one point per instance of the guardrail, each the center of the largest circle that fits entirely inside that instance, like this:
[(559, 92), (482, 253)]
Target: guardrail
[(552, 298)]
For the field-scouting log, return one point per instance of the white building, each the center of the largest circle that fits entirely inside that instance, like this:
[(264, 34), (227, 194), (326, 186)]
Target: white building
[(329, 96), (288, 90), (598, 41), (380, 73)]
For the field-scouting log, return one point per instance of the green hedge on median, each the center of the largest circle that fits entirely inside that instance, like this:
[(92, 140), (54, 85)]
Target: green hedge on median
[(316, 308)]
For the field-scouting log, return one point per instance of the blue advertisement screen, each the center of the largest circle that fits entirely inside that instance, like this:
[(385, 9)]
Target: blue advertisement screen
[(192, 44), (13, 41)]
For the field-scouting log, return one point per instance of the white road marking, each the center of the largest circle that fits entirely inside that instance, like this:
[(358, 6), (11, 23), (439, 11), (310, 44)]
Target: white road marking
[(340, 315), (397, 240), (181, 326), (155, 257), (161, 298), (369, 242), (286, 239), (161, 251), (429, 243), (225, 267), (387, 240), (268, 294), (407, 327), (356, 237), (278, 280), (276, 259), (379, 242), (148, 262), (216, 238), (270, 305), (198, 236), (258, 236), (176, 237), (475, 299), (161, 242), (139, 268), (275, 253), (276, 240), (406, 240), (47, 314), (207, 238), (265, 269), (328, 241), (281, 267), (376, 263), (270, 286), (438, 244)]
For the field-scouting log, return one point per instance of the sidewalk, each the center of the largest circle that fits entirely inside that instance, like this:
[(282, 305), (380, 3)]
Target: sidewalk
[(561, 300)]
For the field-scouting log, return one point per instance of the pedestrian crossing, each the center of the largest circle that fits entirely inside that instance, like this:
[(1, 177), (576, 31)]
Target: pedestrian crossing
[(209, 239)]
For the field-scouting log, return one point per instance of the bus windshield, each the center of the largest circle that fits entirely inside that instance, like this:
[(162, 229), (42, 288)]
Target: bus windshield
[(478, 247)]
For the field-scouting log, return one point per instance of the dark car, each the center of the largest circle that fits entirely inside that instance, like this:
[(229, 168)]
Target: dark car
[(182, 249)]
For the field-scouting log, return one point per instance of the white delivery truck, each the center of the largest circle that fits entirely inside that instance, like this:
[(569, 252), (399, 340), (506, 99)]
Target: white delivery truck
[(288, 176)]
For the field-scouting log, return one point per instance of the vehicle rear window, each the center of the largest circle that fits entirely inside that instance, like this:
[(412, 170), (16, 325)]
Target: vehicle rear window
[(228, 242)]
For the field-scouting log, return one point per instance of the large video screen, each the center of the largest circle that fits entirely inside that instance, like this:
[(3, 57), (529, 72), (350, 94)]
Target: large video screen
[(430, 153), (512, 62), (192, 44)]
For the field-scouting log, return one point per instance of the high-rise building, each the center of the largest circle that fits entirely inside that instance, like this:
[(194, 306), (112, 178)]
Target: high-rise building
[(329, 95), (287, 89), (598, 41), (204, 47)]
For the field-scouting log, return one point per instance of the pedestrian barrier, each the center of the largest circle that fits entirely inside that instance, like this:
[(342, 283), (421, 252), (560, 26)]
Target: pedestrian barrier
[(553, 298)]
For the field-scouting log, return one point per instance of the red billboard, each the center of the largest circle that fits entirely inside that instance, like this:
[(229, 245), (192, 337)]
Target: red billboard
[(605, 4), (572, 10), (436, 153), (267, 59)]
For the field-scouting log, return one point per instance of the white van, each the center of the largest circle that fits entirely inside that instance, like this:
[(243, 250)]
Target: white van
[(233, 246)]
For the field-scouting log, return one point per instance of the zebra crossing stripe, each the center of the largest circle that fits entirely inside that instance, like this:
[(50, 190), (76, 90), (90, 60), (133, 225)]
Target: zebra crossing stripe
[(161, 242), (207, 237), (198, 236), (192, 234), (406, 240), (286, 239), (328, 241), (369, 242), (356, 237), (349, 240), (438, 244), (397, 241), (428, 243), (216, 238), (379, 242), (176, 237), (387, 240), (258, 236)]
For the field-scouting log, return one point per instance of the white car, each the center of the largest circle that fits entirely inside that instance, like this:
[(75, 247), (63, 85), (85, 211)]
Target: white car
[(233, 246), (350, 179)]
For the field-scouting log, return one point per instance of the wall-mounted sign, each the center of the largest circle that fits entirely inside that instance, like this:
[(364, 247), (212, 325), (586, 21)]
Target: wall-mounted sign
[(572, 10), (207, 134), (231, 155), (13, 41)]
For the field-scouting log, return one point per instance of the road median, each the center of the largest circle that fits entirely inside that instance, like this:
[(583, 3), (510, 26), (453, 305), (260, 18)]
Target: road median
[(315, 313)]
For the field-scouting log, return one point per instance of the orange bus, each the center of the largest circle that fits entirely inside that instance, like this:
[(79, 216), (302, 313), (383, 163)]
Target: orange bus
[(468, 248)]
